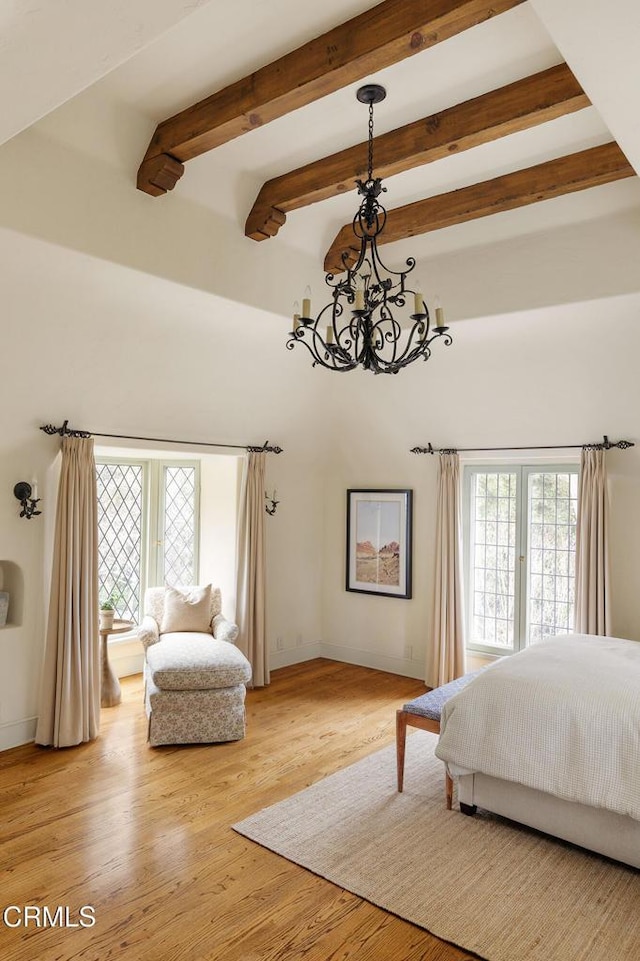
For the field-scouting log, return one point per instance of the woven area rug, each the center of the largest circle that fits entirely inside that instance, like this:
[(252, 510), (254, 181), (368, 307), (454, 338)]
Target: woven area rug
[(502, 891)]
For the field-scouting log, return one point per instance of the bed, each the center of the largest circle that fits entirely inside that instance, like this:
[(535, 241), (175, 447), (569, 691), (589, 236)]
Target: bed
[(550, 737)]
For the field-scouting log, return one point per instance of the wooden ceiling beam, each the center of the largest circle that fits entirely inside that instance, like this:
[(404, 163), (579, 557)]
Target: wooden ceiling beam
[(518, 106), (577, 171), (377, 38)]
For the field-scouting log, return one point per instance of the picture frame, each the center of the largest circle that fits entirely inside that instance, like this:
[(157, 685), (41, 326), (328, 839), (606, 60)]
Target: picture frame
[(379, 542)]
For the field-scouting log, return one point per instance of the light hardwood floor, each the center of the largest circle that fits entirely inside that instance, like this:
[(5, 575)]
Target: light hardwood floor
[(143, 834)]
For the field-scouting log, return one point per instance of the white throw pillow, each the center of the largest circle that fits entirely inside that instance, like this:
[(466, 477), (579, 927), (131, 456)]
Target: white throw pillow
[(187, 610)]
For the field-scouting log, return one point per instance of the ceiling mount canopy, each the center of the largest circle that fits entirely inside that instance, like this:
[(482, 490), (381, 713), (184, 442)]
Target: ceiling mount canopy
[(362, 321), (371, 93)]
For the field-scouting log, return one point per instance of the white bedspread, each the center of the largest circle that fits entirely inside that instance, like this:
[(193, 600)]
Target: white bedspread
[(562, 716)]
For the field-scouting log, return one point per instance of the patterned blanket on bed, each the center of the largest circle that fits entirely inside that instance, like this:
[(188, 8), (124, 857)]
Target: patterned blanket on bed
[(562, 716)]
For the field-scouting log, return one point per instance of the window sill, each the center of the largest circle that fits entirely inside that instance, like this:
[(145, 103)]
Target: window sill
[(491, 655), (478, 659)]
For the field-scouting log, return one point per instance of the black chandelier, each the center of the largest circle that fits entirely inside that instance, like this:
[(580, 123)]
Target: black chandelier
[(362, 329)]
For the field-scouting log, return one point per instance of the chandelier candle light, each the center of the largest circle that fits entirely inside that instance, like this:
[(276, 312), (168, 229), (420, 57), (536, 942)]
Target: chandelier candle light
[(360, 322)]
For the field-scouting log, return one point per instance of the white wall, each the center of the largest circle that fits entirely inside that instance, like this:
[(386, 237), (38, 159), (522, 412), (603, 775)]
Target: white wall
[(77, 172), (559, 376), (119, 351), (116, 351), (119, 316), (219, 486), (295, 534)]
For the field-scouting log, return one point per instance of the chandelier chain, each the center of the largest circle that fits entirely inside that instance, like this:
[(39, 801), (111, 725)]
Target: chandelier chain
[(370, 166)]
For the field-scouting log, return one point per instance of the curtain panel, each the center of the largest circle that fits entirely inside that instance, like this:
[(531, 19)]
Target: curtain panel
[(251, 571), (593, 597), (446, 658), (70, 689)]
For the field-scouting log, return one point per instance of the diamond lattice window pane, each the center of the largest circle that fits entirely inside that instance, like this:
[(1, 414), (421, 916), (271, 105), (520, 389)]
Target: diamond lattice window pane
[(120, 491), (179, 525)]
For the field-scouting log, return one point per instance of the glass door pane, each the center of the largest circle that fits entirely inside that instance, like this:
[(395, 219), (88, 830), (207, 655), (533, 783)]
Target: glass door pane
[(551, 536), (492, 567)]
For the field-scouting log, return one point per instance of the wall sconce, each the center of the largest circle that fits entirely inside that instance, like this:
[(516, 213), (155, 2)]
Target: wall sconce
[(272, 504), (27, 494)]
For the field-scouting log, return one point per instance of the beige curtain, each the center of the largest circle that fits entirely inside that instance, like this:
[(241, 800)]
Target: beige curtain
[(251, 573), (446, 655), (593, 599), (70, 694)]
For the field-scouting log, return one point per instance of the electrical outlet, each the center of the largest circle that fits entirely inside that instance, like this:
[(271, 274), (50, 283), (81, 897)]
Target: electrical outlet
[(408, 651), (279, 643)]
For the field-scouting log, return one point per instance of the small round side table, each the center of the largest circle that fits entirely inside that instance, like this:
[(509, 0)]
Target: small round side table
[(110, 694)]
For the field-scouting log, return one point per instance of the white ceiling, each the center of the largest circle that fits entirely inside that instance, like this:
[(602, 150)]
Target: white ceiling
[(185, 65), (176, 53), (51, 51)]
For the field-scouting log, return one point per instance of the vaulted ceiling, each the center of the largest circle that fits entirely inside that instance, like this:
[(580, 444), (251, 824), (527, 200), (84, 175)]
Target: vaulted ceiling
[(503, 119), (374, 42), (378, 38)]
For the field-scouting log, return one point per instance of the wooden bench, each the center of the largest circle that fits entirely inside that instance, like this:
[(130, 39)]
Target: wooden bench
[(425, 712)]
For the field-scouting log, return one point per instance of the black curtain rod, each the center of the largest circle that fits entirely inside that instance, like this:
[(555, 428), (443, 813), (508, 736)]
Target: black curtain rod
[(66, 431), (605, 445)]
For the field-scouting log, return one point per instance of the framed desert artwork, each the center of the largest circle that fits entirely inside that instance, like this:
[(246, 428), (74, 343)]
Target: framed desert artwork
[(379, 542)]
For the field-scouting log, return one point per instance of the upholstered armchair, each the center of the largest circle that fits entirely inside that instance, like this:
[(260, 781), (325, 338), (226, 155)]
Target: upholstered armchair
[(195, 676)]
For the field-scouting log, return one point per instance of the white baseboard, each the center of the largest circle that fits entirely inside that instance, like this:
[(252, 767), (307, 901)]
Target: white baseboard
[(380, 662), (15, 733), (132, 663), (336, 652), (295, 655)]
